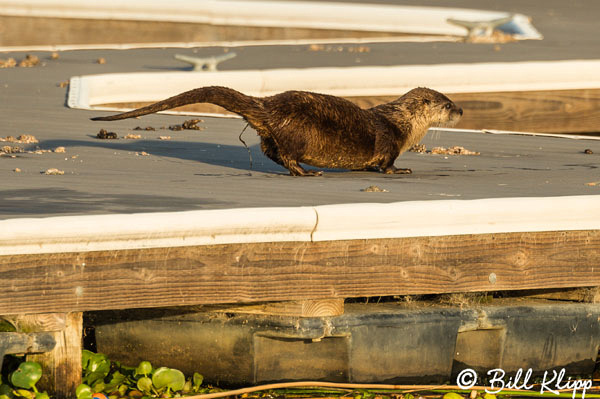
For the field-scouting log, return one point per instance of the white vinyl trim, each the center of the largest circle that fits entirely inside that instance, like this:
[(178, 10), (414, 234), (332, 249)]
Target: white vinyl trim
[(299, 14), (87, 91), (319, 223)]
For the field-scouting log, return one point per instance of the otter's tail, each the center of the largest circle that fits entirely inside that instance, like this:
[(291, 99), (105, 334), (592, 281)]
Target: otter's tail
[(249, 107)]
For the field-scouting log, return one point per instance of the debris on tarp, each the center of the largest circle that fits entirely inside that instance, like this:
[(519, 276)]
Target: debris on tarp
[(454, 150), (54, 171), (104, 135), (374, 189)]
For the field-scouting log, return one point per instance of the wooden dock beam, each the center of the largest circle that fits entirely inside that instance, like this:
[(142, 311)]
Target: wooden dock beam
[(306, 259), (298, 271)]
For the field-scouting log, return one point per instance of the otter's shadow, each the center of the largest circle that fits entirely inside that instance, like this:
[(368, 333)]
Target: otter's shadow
[(230, 156), (225, 155)]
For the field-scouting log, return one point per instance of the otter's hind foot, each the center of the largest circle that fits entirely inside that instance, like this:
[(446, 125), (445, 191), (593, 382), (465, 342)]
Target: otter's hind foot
[(297, 170), (398, 171), (313, 173)]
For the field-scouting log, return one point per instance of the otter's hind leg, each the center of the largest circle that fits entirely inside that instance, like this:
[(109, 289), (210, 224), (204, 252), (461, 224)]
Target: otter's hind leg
[(269, 148)]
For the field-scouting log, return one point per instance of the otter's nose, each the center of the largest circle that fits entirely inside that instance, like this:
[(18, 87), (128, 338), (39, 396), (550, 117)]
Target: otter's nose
[(460, 111)]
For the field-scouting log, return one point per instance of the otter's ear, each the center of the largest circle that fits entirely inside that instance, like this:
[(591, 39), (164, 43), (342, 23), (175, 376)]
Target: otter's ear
[(426, 101)]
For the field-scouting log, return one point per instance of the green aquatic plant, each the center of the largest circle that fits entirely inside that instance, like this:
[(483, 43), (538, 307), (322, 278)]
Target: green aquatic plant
[(26, 375), (168, 379), (21, 381), (101, 376)]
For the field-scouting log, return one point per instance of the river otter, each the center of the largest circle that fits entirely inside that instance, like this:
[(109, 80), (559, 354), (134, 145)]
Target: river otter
[(325, 131)]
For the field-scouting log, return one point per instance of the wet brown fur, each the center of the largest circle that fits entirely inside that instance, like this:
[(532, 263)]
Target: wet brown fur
[(326, 131)]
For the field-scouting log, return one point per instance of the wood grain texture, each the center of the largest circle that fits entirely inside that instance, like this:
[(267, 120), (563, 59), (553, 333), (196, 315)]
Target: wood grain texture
[(308, 308), (587, 294), (38, 322), (545, 111), (53, 31), (548, 111), (551, 111), (62, 365), (291, 271)]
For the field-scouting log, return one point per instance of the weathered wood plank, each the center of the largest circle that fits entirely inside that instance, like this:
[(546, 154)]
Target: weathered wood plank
[(19, 343), (62, 365), (38, 322), (281, 271), (587, 294), (21, 30), (307, 308), (551, 111), (547, 111)]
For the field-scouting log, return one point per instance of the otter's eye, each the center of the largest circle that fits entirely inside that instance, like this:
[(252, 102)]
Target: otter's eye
[(448, 106)]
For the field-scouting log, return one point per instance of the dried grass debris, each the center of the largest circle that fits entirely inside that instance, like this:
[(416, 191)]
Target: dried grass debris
[(8, 63), (454, 150), (22, 139), (374, 189), (29, 61), (54, 172)]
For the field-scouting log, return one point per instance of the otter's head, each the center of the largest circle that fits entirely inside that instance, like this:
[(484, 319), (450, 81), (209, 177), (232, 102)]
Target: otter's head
[(432, 107)]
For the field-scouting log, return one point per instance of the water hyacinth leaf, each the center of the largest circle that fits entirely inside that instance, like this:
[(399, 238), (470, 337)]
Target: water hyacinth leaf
[(93, 378), (99, 363), (85, 358), (122, 389), (99, 386), (198, 380), (144, 384), (144, 368), (83, 391), (489, 396), (4, 396), (165, 377), (452, 395), (117, 379), (42, 395), (24, 393), (27, 375)]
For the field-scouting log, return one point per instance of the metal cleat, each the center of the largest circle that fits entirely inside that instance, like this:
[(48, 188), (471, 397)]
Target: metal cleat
[(481, 28), (205, 63)]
